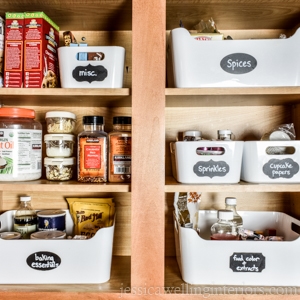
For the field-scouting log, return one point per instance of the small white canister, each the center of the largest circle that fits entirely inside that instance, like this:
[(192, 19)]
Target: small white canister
[(59, 145)]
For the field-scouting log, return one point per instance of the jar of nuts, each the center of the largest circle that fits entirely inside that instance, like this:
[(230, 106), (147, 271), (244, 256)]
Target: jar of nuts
[(59, 169)]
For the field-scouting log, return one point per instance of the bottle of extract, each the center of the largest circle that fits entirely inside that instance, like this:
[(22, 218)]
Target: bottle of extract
[(92, 150)]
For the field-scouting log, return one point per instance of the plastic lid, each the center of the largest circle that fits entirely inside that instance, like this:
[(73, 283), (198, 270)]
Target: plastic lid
[(230, 200), (16, 112), (25, 198), (55, 137), (225, 214), (97, 120), (60, 114), (59, 161), (224, 131), (51, 213), (192, 133), (122, 120)]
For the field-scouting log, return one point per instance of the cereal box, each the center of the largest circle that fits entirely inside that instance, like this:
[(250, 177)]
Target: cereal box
[(13, 58), (41, 38), (2, 25)]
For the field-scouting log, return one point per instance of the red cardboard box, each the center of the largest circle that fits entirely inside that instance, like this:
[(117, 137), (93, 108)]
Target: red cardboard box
[(13, 55), (41, 40)]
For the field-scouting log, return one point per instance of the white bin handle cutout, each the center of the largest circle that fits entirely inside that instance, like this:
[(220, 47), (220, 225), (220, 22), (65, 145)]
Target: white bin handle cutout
[(210, 151), (90, 56), (280, 150)]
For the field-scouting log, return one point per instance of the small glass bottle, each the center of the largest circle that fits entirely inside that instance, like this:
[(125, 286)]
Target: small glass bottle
[(225, 228), (230, 204), (92, 150), (25, 219), (225, 135), (192, 135), (119, 157)]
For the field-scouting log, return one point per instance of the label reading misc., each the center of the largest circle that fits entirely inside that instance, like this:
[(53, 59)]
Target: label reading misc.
[(211, 168), (247, 262), (281, 168), (89, 73), (238, 63), (43, 261)]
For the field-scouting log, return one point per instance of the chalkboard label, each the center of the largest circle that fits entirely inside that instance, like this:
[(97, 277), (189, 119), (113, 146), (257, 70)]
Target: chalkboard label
[(43, 261), (89, 73), (281, 168), (211, 168), (247, 262), (238, 63)]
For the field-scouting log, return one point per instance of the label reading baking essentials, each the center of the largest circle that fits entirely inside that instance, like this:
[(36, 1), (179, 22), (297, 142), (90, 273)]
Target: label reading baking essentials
[(281, 168), (20, 151), (247, 262), (43, 261), (211, 168), (238, 63)]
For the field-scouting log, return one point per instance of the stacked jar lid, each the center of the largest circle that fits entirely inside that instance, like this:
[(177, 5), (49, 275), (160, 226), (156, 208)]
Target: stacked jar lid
[(60, 140)]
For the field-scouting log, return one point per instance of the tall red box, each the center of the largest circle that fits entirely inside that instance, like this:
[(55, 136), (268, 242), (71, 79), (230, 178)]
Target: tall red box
[(41, 40)]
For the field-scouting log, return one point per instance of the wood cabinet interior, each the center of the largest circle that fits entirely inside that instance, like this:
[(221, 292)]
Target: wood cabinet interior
[(159, 112)]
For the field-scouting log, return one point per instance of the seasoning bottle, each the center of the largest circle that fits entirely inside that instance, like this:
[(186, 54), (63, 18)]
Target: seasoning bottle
[(119, 157), (192, 135), (92, 150), (230, 204), (25, 219), (225, 135), (225, 228)]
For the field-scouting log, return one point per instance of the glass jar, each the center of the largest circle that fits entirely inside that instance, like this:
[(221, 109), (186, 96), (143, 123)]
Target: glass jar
[(92, 150), (225, 135), (225, 228), (230, 204), (59, 145), (119, 158), (192, 135), (60, 121), (59, 169), (20, 145)]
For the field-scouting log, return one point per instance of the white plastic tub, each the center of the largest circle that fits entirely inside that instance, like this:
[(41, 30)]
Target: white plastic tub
[(233, 63), (259, 263), (191, 167), (75, 261), (260, 167), (78, 70)]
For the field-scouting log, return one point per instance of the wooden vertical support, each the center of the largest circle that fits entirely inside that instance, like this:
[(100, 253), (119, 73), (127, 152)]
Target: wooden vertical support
[(148, 173)]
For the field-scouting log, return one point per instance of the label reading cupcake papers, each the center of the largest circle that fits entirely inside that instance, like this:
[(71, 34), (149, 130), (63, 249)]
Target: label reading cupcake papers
[(280, 168)]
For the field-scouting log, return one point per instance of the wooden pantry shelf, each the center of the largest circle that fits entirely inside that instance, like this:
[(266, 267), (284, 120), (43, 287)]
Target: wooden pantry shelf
[(172, 186), (218, 97), (44, 185), (66, 97)]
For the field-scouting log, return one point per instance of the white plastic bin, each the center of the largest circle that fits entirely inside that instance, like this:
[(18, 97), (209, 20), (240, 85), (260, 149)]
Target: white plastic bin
[(191, 167), (55, 261), (233, 63), (260, 167), (78, 69), (259, 263)]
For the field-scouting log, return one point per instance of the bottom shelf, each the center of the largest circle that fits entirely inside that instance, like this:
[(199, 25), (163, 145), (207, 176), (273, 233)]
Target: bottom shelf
[(120, 279), (175, 285)]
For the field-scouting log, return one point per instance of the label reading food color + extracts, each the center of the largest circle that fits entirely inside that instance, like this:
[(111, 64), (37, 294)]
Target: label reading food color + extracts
[(20, 151)]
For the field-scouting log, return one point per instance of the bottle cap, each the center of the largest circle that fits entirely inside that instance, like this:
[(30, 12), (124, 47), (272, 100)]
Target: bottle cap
[(225, 214), (224, 131), (96, 120), (195, 133), (122, 120), (25, 198), (230, 200)]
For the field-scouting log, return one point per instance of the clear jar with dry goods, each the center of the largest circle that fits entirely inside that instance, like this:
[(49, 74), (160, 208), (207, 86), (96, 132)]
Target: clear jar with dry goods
[(59, 168), (60, 121), (92, 150), (20, 145), (59, 145)]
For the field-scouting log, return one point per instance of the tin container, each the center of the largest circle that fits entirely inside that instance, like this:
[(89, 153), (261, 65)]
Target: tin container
[(48, 235), (12, 235), (51, 220)]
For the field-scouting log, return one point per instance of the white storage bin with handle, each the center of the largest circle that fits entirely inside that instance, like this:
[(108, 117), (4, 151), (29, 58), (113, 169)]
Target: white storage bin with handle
[(207, 161), (91, 67), (238, 262), (260, 165), (233, 63)]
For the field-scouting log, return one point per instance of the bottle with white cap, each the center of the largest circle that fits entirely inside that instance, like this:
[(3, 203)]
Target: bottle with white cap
[(225, 228), (25, 219), (192, 135), (225, 135), (230, 204)]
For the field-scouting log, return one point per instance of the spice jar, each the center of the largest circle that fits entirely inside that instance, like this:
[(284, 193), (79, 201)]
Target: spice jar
[(59, 169), (225, 135), (192, 135), (92, 150), (60, 121), (59, 145)]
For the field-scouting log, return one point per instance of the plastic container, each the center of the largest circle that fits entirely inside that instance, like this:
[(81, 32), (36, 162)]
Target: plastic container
[(19, 127), (59, 169), (59, 145), (60, 121)]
